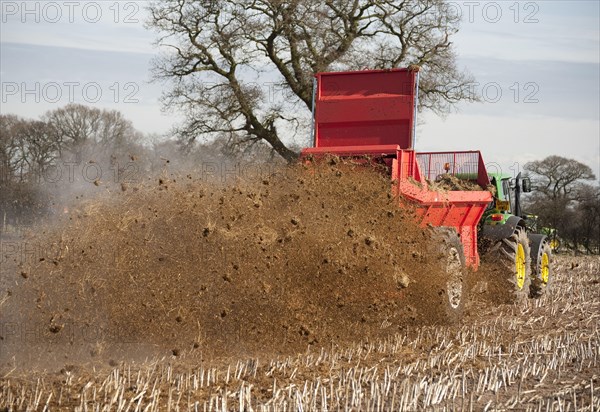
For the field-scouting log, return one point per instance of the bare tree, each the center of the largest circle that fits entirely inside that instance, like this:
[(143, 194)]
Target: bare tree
[(10, 159), (557, 177), (218, 50), (74, 124), (563, 200), (588, 218), (26, 148), (38, 146), (77, 126)]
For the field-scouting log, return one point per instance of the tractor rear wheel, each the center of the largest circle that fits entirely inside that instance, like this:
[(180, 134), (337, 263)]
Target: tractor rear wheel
[(513, 258), (541, 266)]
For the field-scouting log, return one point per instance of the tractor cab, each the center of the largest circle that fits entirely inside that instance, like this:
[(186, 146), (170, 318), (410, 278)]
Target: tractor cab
[(507, 198)]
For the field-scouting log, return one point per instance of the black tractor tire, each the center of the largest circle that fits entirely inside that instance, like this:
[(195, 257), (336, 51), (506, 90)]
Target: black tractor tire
[(442, 294), (541, 269), (510, 275)]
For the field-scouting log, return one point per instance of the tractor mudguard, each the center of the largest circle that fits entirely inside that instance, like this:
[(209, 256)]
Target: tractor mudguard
[(496, 233), (535, 243)]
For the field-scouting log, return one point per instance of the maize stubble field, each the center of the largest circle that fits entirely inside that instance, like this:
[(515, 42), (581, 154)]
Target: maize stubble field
[(305, 290)]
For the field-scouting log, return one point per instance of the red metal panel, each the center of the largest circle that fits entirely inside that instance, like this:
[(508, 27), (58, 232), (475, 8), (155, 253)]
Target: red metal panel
[(468, 236), (371, 150), (365, 108)]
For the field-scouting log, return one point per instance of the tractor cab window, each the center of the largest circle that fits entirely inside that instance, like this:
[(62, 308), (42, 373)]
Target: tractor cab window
[(507, 193), (492, 204)]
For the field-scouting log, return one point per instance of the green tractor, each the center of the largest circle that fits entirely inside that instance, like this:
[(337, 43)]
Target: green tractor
[(508, 236), (554, 240)]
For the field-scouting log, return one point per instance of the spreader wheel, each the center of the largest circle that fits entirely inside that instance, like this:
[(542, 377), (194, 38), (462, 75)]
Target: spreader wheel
[(449, 290)]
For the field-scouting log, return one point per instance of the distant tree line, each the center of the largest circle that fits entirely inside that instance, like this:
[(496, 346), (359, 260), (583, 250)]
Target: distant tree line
[(565, 199), (36, 152), (75, 147)]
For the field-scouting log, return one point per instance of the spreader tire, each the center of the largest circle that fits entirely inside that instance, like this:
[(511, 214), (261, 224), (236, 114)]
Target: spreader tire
[(448, 295)]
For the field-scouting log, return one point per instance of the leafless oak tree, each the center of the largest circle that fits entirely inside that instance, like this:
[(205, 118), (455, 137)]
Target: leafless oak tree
[(563, 200), (217, 51), (557, 177)]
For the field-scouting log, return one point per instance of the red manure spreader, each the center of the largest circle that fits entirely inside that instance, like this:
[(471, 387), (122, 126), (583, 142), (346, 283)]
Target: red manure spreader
[(372, 115)]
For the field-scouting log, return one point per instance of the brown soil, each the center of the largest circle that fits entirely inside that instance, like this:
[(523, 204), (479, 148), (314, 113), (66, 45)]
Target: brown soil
[(310, 256), (538, 355)]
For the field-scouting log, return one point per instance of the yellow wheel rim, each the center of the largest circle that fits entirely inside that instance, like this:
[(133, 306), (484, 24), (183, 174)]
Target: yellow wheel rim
[(520, 266), (545, 269)]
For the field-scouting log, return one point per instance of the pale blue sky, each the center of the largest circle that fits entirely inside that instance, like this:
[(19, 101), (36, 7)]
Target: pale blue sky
[(543, 57)]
